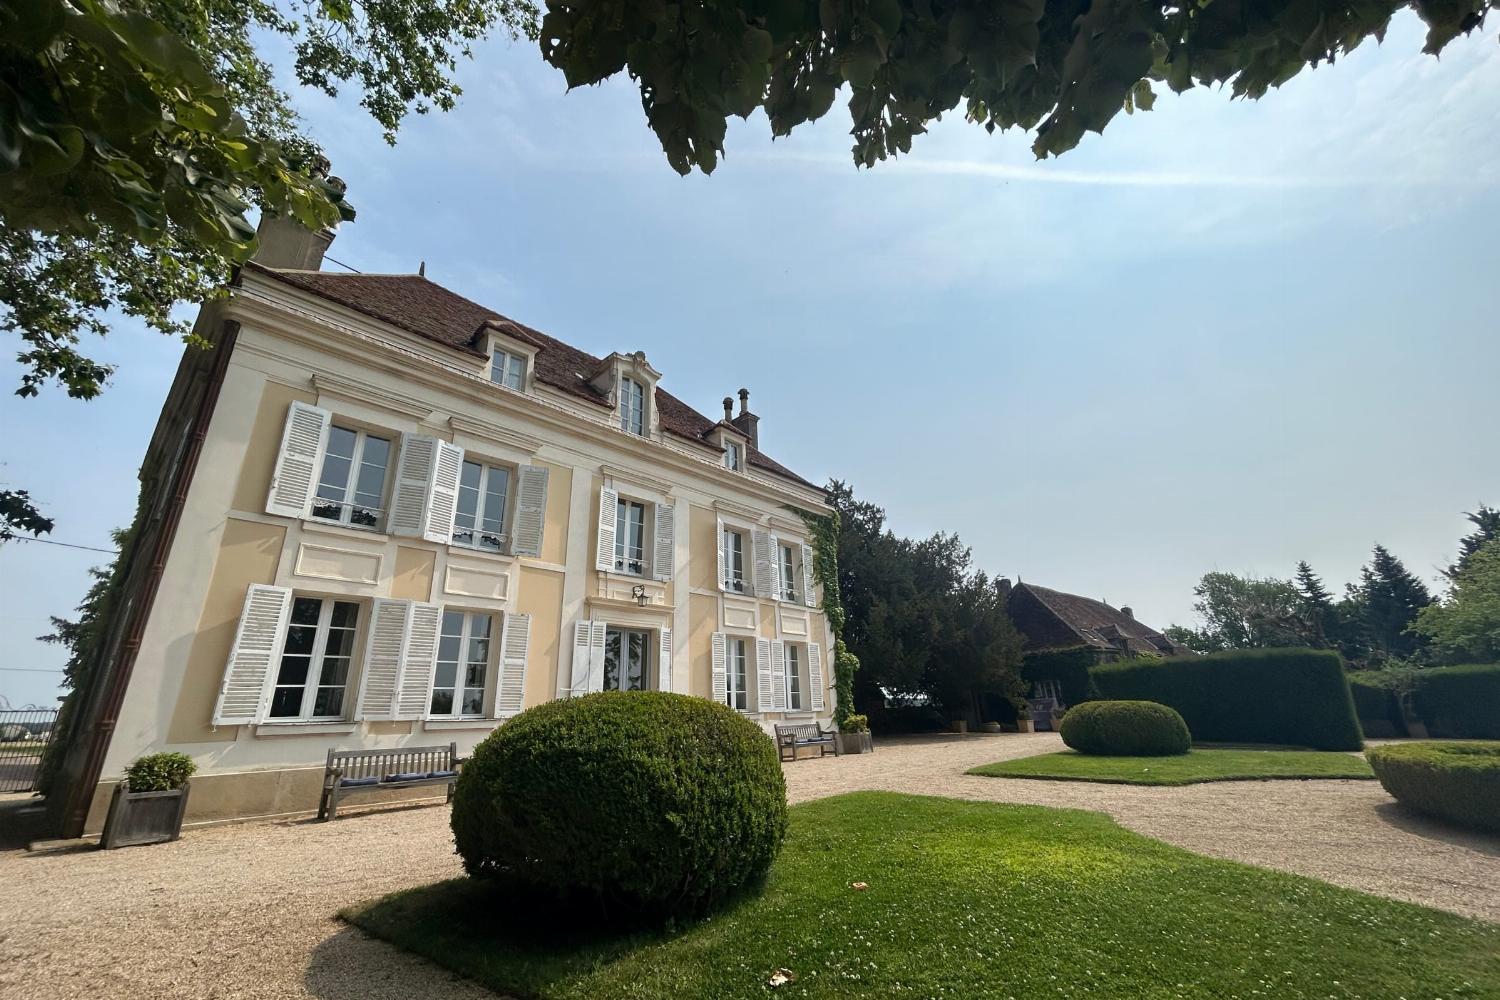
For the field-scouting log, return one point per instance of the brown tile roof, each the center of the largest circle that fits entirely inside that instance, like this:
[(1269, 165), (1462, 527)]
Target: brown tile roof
[(1051, 619), (427, 309)]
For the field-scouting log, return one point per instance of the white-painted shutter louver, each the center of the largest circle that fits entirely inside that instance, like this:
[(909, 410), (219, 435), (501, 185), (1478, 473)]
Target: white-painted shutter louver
[(778, 676), (531, 510), (443, 503), (809, 598), (414, 693), (720, 667), (303, 440), (413, 490), (377, 688), (664, 662), (596, 655), (257, 645), (760, 542), (664, 541), (510, 691), (765, 696), (582, 657), (609, 508), (815, 675), (723, 557)]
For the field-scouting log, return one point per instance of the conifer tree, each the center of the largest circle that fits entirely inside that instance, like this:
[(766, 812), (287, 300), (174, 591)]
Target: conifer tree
[(1388, 598), (1316, 606), (1486, 522)]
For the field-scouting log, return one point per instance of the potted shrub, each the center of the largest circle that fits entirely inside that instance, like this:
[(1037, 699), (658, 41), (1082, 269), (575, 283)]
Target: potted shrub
[(854, 735), (149, 804)]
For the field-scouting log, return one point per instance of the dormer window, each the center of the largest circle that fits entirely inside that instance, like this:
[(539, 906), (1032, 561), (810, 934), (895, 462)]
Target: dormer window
[(734, 456), (632, 406), (508, 369)]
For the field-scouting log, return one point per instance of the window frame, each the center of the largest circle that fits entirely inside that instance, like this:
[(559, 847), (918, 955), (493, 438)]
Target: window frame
[(648, 661), (788, 555), (511, 357), (624, 504), (346, 506), (317, 662), (743, 536), (737, 673), (734, 456), (792, 676), (512, 480), (461, 666), (633, 410)]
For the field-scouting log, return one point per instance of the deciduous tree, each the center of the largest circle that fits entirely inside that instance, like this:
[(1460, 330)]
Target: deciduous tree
[(1465, 626)]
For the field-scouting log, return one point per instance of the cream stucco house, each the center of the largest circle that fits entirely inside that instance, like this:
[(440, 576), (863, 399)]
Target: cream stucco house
[(380, 514)]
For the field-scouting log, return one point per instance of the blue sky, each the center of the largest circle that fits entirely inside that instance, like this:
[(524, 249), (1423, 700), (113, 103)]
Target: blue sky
[(1225, 335)]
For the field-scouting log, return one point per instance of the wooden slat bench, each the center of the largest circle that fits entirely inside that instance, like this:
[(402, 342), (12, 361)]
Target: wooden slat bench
[(790, 739), (352, 771)]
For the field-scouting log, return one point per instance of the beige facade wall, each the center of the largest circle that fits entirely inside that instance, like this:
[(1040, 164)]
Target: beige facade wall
[(382, 380)]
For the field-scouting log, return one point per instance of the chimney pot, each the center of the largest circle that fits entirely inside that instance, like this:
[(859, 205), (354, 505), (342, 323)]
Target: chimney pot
[(1127, 612), (728, 409), (744, 401)]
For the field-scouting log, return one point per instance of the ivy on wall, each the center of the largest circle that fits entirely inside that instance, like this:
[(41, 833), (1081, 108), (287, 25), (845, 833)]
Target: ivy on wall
[(824, 532)]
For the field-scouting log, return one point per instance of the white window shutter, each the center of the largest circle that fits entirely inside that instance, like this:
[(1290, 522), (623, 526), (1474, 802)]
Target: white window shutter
[(760, 542), (609, 509), (815, 675), (443, 503), (414, 692), (723, 554), (664, 662), (413, 489), (720, 648), (531, 510), (808, 597), (300, 460), (765, 696), (596, 655), (256, 650), (389, 621), (510, 691), (582, 657), (664, 541), (778, 676)]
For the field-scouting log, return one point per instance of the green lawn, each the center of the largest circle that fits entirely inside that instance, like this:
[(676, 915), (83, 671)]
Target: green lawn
[(971, 899), (1186, 769)]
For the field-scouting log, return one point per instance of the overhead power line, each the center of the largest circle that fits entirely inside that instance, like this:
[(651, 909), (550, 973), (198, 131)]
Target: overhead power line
[(67, 545)]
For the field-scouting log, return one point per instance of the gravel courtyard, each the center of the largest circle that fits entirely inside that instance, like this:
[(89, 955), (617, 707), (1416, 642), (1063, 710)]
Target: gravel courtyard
[(247, 911)]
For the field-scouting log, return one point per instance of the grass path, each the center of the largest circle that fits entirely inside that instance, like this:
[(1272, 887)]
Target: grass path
[(971, 899), (1184, 769)]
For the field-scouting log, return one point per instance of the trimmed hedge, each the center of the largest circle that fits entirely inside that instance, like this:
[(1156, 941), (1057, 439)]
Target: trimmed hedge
[(1458, 782), (1460, 702), (658, 802), (1285, 697), (1125, 729), (1375, 704)]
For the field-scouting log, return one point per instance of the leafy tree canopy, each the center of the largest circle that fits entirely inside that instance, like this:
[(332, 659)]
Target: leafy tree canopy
[(136, 135), (1466, 625), (1062, 67), (1241, 612)]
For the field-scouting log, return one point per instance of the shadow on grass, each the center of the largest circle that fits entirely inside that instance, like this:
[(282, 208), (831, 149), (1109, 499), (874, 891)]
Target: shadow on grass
[(531, 941), (1429, 828)]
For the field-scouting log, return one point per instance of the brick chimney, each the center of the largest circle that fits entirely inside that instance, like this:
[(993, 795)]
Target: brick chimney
[(747, 422)]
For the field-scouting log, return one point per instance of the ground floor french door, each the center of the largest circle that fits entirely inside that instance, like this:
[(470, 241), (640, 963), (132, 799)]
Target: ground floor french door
[(627, 659)]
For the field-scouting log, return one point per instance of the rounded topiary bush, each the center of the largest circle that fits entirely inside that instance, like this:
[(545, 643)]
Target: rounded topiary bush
[(1458, 782), (1125, 729), (657, 801)]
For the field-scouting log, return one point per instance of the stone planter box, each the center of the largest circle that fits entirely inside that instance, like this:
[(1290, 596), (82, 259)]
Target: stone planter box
[(856, 743), (991, 727), (958, 726), (1025, 726), (144, 817)]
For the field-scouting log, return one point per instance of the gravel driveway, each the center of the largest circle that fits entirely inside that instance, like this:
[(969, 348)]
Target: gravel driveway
[(246, 911)]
